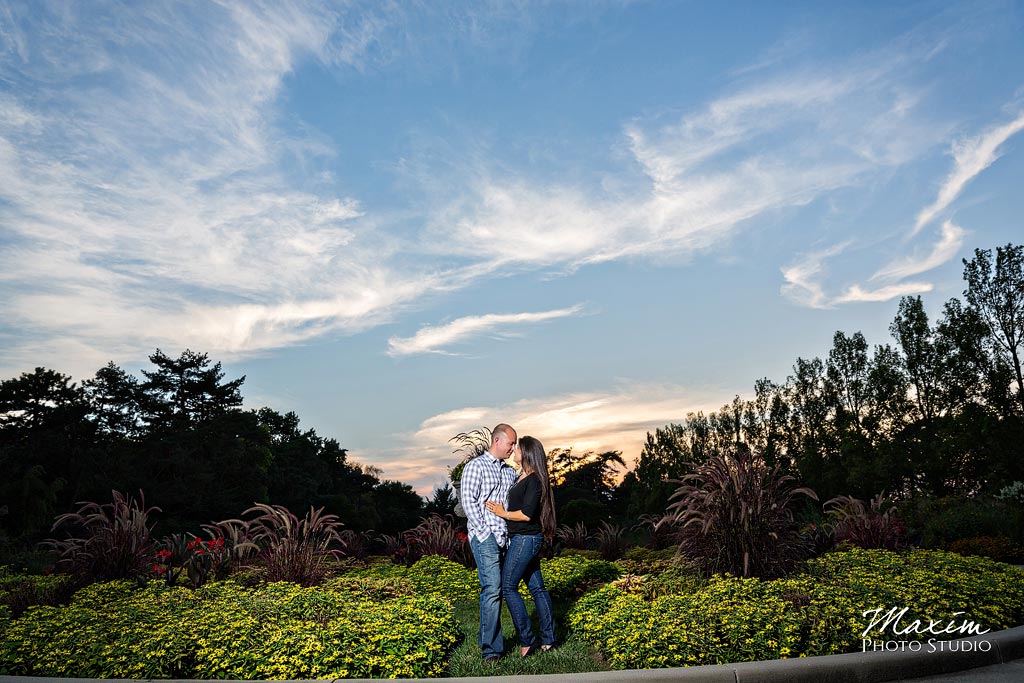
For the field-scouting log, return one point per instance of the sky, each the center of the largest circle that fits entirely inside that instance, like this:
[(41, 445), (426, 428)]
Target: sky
[(405, 220)]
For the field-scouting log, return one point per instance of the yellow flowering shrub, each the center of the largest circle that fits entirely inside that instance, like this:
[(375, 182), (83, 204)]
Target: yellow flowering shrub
[(820, 611), (569, 574), (431, 575), (226, 630)]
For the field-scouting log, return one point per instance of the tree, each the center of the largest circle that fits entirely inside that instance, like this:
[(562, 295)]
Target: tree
[(664, 456), (47, 446), (187, 389), (848, 373), (115, 398), (998, 295), (443, 502)]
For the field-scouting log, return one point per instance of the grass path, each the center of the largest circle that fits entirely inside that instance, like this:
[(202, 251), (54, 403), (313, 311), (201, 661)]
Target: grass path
[(570, 657)]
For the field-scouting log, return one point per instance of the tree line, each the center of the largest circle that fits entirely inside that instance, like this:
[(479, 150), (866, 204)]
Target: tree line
[(179, 434), (937, 411)]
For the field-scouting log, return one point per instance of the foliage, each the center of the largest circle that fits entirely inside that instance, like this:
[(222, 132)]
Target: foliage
[(999, 548), (293, 549), (569, 575), (641, 560), (431, 575), (661, 531), (736, 515), (732, 619), (225, 630), (18, 591), (357, 545), (996, 290), (610, 540), (436, 535), (867, 525), (468, 445), (111, 541), (937, 522), (1013, 493), (575, 536)]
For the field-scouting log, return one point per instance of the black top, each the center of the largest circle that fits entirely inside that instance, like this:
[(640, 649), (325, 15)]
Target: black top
[(524, 496)]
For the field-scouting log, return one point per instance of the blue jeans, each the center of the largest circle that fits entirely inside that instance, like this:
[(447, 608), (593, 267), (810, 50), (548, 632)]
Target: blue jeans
[(522, 561), (488, 568)]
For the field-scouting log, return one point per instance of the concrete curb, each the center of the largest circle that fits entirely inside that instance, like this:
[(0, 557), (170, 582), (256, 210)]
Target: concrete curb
[(858, 667)]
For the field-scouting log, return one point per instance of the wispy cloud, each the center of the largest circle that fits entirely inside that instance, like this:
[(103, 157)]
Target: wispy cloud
[(971, 157), (804, 277), (618, 418), (950, 241), (694, 181), (435, 339), (891, 281), (148, 203)]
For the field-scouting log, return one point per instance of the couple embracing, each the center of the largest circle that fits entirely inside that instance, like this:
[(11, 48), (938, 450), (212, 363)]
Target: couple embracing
[(508, 514)]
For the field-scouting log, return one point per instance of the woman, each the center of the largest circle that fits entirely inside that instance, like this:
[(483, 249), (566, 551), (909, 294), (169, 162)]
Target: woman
[(531, 517)]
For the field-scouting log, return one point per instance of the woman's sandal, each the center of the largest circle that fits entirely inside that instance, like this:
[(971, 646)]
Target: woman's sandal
[(527, 651), (549, 648)]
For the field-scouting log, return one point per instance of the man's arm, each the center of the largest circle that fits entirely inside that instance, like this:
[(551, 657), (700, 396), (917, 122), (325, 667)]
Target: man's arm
[(471, 492)]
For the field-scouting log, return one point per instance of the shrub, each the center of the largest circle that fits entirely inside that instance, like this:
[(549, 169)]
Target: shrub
[(569, 575), (1014, 493), (730, 619), (225, 630), (647, 561), (999, 548), (357, 545), (108, 541), (293, 549), (18, 592), (872, 525), (239, 541), (937, 522), (678, 580), (736, 516), (573, 536), (660, 535), (438, 535), (610, 540), (431, 575)]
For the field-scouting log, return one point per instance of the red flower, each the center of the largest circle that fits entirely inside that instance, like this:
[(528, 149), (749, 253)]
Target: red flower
[(48, 571), (156, 569), (462, 537)]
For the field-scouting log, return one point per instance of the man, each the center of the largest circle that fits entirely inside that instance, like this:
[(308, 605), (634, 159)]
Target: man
[(485, 478)]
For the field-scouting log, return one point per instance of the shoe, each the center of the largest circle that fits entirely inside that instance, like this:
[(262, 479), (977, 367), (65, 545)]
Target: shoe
[(549, 648), (492, 659), (527, 651)]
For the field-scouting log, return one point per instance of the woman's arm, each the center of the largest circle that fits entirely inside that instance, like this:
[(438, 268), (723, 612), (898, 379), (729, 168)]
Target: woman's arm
[(510, 515), (531, 503)]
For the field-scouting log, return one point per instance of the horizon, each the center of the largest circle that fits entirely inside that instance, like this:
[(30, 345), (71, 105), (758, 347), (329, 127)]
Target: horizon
[(405, 222)]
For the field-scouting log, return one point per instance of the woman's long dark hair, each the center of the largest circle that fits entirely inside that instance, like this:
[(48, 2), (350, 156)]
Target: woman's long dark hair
[(535, 459)]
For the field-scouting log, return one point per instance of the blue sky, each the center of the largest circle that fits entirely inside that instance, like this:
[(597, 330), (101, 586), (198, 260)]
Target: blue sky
[(403, 220)]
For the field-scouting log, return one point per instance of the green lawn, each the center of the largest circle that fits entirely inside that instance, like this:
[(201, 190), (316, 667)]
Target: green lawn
[(570, 657)]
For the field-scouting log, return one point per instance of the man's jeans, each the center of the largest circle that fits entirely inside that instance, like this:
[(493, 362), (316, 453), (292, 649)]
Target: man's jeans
[(522, 561), (488, 569)]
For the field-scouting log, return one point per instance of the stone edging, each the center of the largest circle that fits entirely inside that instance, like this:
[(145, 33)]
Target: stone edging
[(857, 667)]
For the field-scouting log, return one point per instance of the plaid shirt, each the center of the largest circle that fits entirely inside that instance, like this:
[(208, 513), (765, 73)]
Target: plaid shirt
[(486, 478)]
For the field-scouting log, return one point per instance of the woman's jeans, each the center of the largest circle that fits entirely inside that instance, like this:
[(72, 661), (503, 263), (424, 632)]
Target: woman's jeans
[(522, 561)]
